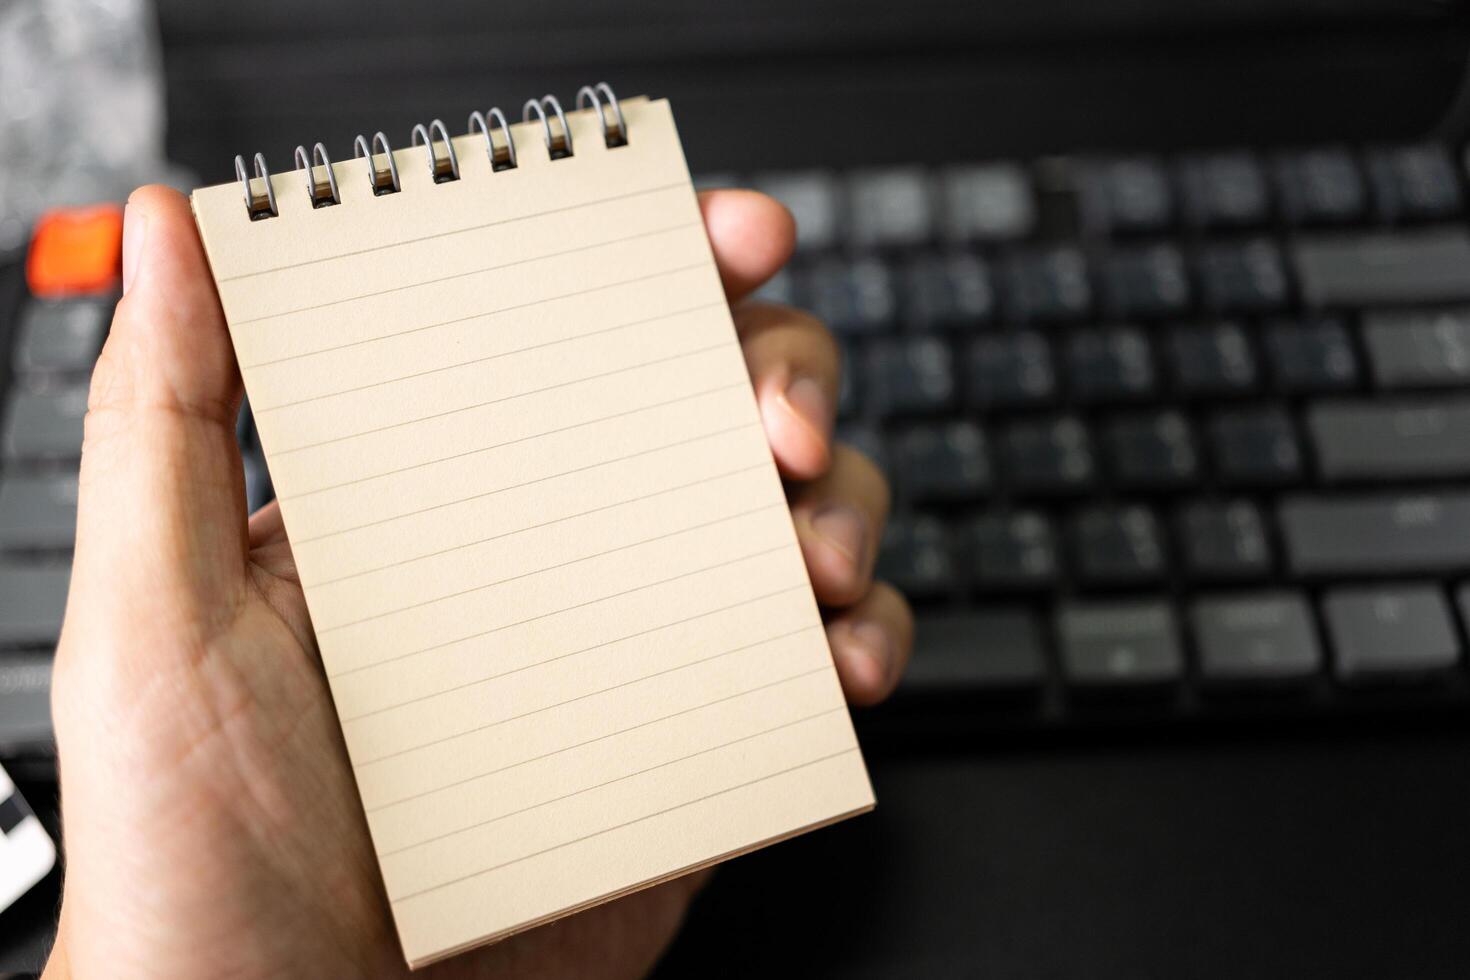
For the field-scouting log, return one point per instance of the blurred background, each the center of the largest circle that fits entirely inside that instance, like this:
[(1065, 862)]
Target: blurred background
[(1158, 313)]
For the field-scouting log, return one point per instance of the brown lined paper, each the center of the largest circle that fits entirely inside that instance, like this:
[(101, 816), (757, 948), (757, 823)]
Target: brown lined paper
[(548, 558)]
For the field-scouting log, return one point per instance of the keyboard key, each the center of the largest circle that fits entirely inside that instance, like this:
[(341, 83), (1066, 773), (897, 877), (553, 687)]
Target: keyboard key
[(1014, 551), (1379, 534), (1211, 359), (1322, 185), (1414, 182), (1265, 636), (1119, 643), (1010, 370), (1127, 195), (1109, 364), (1118, 545), (25, 700), (1381, 631), (911, 375), (1151, 450), (1243, 278), (32, 600), (942, 462), (1411, 348), (811, 197), (1256, 447), (866, 440), (1384, 268), (987, 202), (949, 291), (917, 556), (889, 208), (1316, 355), (1149, 281), (1225, 540), (1225, 190), (852, 297), (37, 512), (1391, 439), (1048, 455), (1050, 284), (61, 335), (45, 425), (850, 385), (716, 181), (980, 649), (258, 488), (781, 288)]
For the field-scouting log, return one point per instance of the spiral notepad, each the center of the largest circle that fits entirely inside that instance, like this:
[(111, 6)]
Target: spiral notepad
[(548, 557)]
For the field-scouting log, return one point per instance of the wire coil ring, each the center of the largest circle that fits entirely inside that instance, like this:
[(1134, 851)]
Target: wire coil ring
[(437, 171), (318, 158), (501, 158), (556, 147), (362, 148), (262, 172), (593, 95)]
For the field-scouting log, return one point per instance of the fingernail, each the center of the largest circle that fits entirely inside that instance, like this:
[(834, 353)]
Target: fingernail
[(135, 228), (843, 528), (809, 401), (867, 652)]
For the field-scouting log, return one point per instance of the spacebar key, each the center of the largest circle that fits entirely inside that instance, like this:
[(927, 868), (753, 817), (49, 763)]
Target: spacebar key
[(1429, 266), (1377, 534)]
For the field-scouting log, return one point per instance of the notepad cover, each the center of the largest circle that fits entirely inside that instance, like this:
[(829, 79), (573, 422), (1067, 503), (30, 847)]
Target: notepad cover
[(548, 558)]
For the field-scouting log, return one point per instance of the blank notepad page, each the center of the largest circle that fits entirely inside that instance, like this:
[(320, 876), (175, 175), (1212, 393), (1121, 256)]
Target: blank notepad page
[(547, 554)]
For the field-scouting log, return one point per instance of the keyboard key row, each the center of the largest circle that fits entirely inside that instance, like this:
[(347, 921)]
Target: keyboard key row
[(1371, 634), (1118, 364), (1145, 450), (1206, 540), (1106, 546), (908, 206)]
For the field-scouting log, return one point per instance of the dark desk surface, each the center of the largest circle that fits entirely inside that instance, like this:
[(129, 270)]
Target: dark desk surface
[(1341, 855), (1295, 855)]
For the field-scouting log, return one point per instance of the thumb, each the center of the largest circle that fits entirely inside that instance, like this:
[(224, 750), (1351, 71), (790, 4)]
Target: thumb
[(161, 536)]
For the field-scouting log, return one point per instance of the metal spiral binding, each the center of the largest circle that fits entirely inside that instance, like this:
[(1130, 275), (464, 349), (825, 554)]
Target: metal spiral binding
[(557, 147), (318, 158), (502, 155), (253, 206), (446, 170), (376, 177), (593, 95)]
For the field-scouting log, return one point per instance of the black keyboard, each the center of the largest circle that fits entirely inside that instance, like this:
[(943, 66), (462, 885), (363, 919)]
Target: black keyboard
[(1181, 438), (49, 347), (1170, 439)]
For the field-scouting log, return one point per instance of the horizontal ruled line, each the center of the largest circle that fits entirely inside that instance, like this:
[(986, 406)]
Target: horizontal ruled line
[(666, 359), (548, 568), (451, 232), (575, 653), (557, 612), (611, 782), (599, 738), (476, 316), (628, 823), (590, 694), (532, 527), (471, 272), (540, 479), (490, 357)]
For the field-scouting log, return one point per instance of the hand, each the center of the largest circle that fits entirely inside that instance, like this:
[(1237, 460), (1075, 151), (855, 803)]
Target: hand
[(211, 822)]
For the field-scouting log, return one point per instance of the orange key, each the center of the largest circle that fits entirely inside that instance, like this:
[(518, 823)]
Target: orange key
[(76, 250)]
